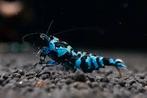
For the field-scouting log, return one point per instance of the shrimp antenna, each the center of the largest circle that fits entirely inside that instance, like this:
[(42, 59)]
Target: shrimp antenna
[(49, 27), (27, 35), (78, 28), (23, 38), (38, 33)]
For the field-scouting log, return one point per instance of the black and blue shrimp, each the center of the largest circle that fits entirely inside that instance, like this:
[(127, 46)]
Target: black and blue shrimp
[(62, 53)]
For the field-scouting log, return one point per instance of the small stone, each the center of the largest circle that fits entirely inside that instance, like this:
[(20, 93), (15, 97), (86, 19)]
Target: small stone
[(30, 75), (1, 81), (91, 78), (16, 75), (52, 86), (105, 79), (94, 84), (5, 76), (98, 78), (80, 77), (40, 84), (21, 72), (122, 83), (45, 76), (79, 85), (131, 81), (137, 85), (68, 81), (20, 82), (145, 88)]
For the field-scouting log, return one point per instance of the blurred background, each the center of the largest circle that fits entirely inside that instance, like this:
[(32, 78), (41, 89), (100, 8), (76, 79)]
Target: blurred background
[(96, 23)]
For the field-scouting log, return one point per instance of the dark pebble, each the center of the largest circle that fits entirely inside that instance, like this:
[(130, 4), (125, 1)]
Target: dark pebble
[(122, 83), (104, 79), (94, 84), (91, 78), (141, 75), (131, 81), (1, 81), (45, 76), (21, 72), (5, 76), (80, 77), (45, 71), (30, 75), (68, 81), (17, 75)]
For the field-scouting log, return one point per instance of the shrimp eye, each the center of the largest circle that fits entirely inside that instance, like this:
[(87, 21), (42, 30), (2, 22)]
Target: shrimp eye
[(51, 37)]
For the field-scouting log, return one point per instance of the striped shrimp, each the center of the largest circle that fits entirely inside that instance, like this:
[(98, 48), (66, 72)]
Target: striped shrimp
[(62, 53)]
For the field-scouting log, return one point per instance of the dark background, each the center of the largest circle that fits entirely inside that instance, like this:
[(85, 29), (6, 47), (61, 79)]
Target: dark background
[(95, 23)]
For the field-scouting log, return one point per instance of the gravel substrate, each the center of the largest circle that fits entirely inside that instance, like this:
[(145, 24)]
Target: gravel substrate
[(41, 81)]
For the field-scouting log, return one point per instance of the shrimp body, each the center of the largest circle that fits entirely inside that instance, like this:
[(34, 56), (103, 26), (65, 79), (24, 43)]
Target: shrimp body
[(62, 53)]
